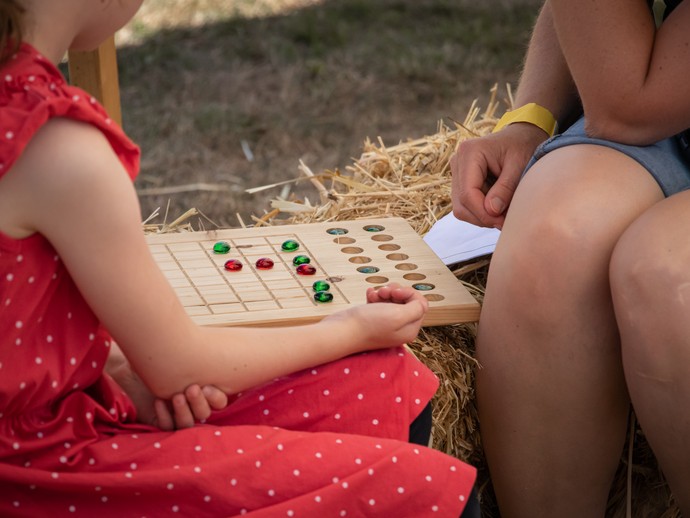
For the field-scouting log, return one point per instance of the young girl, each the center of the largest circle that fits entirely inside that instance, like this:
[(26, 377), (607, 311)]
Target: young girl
[(311, 428)]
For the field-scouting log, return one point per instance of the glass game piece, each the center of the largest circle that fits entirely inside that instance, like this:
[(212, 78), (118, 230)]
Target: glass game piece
[(368, 269), (301, 259), (374, 228), (221, 247), (423, 287), (264, 263), (306, 269), (323, 296), (337, 231), (321, 286), (233, 265), (290, 245)]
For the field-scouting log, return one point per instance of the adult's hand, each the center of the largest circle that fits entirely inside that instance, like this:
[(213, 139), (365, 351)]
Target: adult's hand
[(486, 172)]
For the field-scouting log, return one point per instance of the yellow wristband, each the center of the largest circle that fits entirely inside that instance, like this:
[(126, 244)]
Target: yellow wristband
[(531, 113)]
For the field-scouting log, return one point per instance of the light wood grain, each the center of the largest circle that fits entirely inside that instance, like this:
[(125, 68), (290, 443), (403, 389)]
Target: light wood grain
[(214, 296)]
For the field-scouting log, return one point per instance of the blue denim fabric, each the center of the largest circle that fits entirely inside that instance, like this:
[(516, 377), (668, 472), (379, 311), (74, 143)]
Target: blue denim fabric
[(663, 160)]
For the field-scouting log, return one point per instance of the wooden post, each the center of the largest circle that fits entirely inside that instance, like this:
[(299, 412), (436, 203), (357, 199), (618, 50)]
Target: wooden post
[(96, 72)]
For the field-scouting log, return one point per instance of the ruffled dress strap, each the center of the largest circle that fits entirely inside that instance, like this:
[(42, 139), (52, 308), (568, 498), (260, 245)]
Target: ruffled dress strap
[(32, 91)]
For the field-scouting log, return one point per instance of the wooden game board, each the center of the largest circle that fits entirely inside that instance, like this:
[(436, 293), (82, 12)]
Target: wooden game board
[(279, 296)]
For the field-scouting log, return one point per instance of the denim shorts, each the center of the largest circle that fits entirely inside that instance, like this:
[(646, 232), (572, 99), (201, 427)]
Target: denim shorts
[(663, 160)]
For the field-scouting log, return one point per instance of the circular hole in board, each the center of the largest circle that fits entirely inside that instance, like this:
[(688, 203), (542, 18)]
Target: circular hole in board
[(397, 257), (406, 266), (344, 240), (360, 259), (382, 237), (337, 231), (351, 250), (374, 228), (368, 269), (434, 297), (389, 247), (414, 276), (377, 279), (423, 286)]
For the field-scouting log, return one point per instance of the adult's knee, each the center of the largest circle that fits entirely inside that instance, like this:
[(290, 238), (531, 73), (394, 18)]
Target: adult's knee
[(549, 256), (647, 281), (650, 289)]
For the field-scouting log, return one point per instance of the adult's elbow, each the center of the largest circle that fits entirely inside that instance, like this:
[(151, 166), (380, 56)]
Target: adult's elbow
[(619, 124)]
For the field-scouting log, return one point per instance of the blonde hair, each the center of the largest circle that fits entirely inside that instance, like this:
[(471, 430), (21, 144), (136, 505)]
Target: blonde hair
[(11, 14)]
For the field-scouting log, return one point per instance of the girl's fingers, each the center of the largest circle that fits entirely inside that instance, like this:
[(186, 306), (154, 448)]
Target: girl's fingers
[(372, 295), (197, 405), (163, 416), (393, 293), (216, 398), (183, 413)]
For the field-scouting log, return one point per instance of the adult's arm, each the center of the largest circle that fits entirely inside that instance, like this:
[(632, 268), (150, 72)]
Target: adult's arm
[(502, 156), (546, 79), (631, 77)]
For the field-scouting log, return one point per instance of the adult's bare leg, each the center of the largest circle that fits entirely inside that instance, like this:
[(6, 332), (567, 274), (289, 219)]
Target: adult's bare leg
[(552, 399), (650, 281)]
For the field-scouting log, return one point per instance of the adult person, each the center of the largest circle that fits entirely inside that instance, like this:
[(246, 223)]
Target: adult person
[(585, 309)]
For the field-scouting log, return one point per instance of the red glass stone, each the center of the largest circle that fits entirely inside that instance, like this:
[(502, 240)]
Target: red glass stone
[(306, 269), (233, 265), (264, 263)]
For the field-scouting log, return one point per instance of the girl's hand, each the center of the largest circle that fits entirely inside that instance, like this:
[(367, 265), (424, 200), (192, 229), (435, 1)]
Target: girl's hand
[(181, 411), (195, 404), (392, 317), (396, 294)]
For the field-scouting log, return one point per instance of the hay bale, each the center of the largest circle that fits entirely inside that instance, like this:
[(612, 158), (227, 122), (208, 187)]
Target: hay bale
[(412, 180)]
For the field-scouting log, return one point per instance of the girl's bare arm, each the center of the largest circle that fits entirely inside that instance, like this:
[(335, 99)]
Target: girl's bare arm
[(70, 187)]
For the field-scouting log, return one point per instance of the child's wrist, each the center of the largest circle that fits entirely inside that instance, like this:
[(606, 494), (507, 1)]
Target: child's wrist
[(530, 113), (343, 332)]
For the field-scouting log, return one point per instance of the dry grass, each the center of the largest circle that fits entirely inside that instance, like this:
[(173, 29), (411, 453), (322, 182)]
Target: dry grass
[(156, 15), (226, 95)]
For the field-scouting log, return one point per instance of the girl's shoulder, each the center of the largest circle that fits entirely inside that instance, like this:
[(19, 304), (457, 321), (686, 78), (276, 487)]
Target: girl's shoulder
[(33, 91)]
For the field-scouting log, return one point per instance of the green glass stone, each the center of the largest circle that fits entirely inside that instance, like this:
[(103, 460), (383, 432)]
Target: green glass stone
[(290, 245), (321, 286), (373, 228), (323, 296), (221, 247), (301, 259)]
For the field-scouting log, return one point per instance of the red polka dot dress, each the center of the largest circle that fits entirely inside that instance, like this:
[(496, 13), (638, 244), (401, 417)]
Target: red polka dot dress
[(326, 442)]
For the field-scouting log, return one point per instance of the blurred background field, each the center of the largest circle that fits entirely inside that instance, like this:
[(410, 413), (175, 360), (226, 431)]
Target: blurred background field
[(225, 95)]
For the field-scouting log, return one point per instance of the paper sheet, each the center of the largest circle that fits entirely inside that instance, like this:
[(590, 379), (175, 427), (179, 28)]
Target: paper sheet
[(455, 241)]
